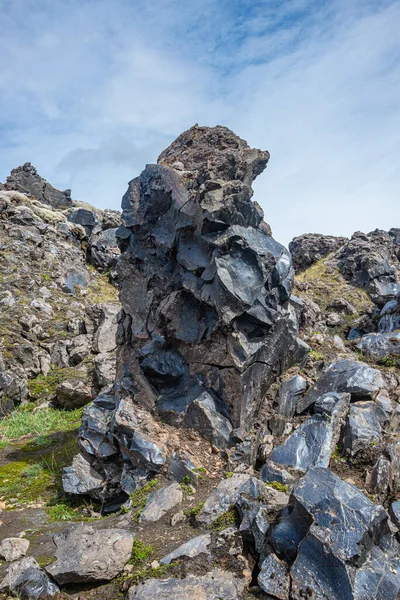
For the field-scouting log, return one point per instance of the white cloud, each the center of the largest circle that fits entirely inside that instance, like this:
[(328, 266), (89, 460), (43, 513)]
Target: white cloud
[(92, 91)]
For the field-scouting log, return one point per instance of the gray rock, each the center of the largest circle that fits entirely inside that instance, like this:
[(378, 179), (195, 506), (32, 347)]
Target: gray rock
[(190, 549), (272, 472), (104, 369), (273, 578), (202, 415), (205, 289), (84, 554), (72, 394), (81, 478), (289, 394), (160, 502), (308, 248), (254, 522), (79, 348), (182, 467), (314, 441), (226, 494), (345, 375), (103, 249), (85, 217), (13, 548), (394, 512), (334, 528), (362, 428), (380, 345), (144, 452), (105, 335), (25, 179), (216, 585), (379, 481), (26, 580)]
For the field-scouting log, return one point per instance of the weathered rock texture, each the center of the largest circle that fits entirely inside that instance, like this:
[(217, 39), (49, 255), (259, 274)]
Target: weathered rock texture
[(308, 248), (206, 324)]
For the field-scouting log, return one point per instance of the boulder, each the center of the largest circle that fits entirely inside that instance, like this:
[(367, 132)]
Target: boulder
[(104, 369), (345, 375), (26, 580), (160, 502), (226, 495), (216, 585), (273, 578), (203, 416), (190, 549), (13, 548), (104, 337), (290, 392), (84, 554), (314, 441), (380, 345), (103, 249), (254, 522), (394, 512), (362, 428), (72, 394), (335, 538), (81, 478), (25, 179), (308, 248)]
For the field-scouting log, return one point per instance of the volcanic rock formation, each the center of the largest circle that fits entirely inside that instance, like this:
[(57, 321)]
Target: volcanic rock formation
[(206, 323)]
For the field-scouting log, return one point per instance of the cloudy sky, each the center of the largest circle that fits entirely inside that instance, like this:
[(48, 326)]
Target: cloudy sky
[(92, 90)]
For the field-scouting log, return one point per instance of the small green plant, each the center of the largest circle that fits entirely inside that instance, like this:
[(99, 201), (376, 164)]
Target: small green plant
[(139, 497), (140, 552), (151, 573), (199, 470), (276, 485), (186, 485), (193, 512), (225, 520), (316, 355), (228, 474), (389, 361)]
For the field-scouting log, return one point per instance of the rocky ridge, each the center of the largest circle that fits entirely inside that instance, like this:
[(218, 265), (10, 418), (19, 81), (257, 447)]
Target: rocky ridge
[(248, 446)]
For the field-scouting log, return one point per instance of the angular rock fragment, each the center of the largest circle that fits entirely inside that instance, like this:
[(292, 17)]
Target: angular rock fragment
[(84, 554), (307, 249), (160, 502), (380, 345), (203, 416), (81, 478), (254, 522), (362, 428), (314, 441), (13, 548), (345, 375), (190, 549), (226, 495), (273, 578), (26, 580), (216, 585)]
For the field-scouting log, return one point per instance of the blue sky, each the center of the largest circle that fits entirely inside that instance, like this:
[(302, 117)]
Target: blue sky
[(92, 90)]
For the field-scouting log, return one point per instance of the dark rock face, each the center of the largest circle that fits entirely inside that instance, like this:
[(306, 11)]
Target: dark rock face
[(25, 579), (307, 249), (370, 261), (340, 541), (25, 179), (206, 324)]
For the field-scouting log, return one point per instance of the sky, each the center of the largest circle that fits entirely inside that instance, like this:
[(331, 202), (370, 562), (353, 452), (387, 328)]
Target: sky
[(93, 90)]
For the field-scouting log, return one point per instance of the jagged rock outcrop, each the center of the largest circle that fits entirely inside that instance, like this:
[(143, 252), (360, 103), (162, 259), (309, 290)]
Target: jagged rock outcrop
[(58, 318), (206, 324), (308, 248), (25, 179)]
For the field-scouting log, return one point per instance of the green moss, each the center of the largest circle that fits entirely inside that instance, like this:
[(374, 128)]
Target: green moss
[(43, 387), (44, 560), (390, 362), (186, 486), (100, 290), (225, 520), (193, 512), (316, 355), (139, 497), (140, 552), (228, 474), (199, 470), (276, 485), (151, 573)]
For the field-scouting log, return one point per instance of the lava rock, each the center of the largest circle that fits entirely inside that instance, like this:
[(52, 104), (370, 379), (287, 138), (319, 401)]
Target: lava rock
[(81, 478), (273, 578), (380, 345), (216, 585), (202, 415), (84, 554), (160, 502), (13, 548), (25, 179), (26, 580), (308, 248), (362, 428), (226, 494), (345, 375), (314, 441), (190, 549)]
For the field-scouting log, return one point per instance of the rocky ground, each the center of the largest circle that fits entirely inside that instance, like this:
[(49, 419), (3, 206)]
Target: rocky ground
[(231, 429)]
